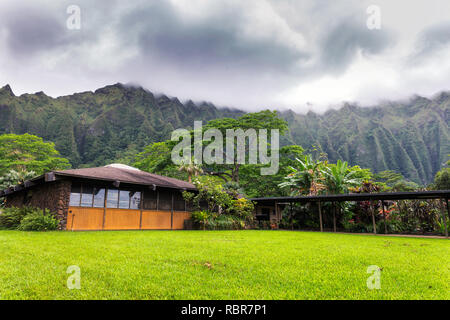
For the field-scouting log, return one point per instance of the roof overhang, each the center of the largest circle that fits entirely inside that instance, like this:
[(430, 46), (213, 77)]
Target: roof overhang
[(435, 194), (55, 176)]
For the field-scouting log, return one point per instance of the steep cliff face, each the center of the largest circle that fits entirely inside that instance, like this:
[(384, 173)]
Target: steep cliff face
[(411, 138), (115, 122)]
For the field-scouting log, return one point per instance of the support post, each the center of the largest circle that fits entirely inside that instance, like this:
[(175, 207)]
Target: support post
[(373, 219), (334, 216), (384, 217), (444, 216), (290, 216), (448, 213), (320, 216), (171, 215)]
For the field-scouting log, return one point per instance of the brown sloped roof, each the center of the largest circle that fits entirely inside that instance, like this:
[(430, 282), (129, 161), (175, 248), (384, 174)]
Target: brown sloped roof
[(126, 176)]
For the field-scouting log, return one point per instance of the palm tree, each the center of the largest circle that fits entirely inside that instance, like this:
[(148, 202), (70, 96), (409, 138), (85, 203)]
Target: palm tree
[(307, 178), (191, 168), (339, 178)]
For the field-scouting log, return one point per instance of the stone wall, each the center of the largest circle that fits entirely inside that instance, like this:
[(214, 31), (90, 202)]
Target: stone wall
[(54, 196)]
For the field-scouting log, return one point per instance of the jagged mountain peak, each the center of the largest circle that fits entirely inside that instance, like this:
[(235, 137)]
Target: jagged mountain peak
[(6, 90)]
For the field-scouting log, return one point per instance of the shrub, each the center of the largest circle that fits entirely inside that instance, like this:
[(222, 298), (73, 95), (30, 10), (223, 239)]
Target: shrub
[(201, 217), (215, 221), (27, 219), (10, 218), (38, 221), (224, 207)]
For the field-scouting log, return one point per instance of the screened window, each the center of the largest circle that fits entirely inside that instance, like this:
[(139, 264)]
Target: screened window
[(135, 200), (112, 199), (124, 199), (99, 198), (75, 195), (178, 202), (86, 196), (165, 200), (150, 200)]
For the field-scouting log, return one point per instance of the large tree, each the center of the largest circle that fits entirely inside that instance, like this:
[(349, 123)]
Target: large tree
[(266, 119), (29, 153), (156, 158)]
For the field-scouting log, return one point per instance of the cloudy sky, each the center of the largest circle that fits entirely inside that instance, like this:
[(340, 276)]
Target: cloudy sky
[(252, 54)]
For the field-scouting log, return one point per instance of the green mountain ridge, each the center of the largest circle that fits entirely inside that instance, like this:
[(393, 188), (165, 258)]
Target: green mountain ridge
[(117, 121)]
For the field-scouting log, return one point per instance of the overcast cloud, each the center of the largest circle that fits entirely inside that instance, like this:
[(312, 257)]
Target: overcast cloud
[(252, 54)]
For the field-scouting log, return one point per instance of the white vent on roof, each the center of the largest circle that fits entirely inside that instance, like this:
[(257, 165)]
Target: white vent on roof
[(121, 166)]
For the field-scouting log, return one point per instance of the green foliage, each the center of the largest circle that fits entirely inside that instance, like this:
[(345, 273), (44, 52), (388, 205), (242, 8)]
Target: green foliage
[(191, 169), (224, 206), (29, 153), (11, 218), (442, 180), (156, 158), (394, 181), (306, 177), (266, 119), (14, 177), (339, 177), (201, 216), (38, 220), (255, 185)]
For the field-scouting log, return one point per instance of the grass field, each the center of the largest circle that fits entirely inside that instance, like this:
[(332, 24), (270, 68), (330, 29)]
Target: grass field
[(221, 265)]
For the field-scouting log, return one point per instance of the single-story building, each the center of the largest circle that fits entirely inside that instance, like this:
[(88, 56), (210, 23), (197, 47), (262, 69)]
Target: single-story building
[(114, 197)]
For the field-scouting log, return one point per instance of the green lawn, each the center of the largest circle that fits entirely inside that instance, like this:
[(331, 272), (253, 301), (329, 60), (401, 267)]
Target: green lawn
[(221, 265)]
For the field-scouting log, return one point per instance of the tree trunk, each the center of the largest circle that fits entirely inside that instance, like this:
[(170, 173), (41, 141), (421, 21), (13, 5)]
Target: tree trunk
[(373, 218), (235, 173), (334, 216)]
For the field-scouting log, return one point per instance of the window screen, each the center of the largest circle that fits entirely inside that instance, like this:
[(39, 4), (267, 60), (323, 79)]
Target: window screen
[(135, 200), (75, 195), (99, 198), (165, 200), (150, 200), (124, 199), (112, 199), (86, 196)]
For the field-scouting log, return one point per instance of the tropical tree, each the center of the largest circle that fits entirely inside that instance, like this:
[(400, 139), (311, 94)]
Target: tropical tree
[(29, 153), (307, 178), (339, 177), (156, 158), (191, 168), (256, 185), (266, 119)]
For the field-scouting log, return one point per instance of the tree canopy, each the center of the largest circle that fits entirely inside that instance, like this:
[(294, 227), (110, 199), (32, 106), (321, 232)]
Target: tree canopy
[(29, 153)]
